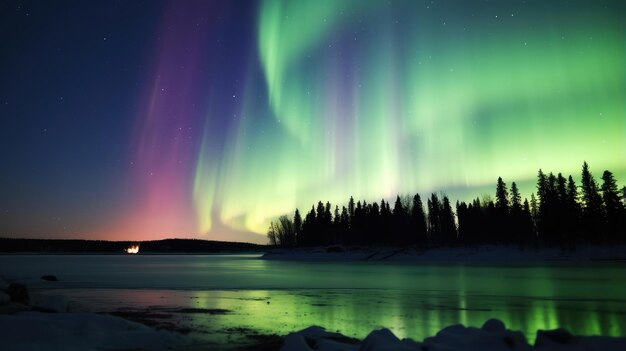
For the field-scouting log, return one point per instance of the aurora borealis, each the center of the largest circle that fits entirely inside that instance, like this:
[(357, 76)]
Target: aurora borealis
[(208, 119)]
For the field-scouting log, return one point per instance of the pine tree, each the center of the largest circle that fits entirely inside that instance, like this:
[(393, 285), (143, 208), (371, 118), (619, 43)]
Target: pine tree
[(434, 219), (516, 198), (345, 225), (614, 207), (398, 209), (572, 193), (297, 226), (514, 222), (564, 233), (399, 222), (542, 186), (534, 209), (528, 232), (610, 194), (375, 224), (561, 188), (310, 229), (419, 219), (593, 211), (501, 220), (448, 227), (351, 209), (591, 196), (572, 213), (320, 213), (502, 196)]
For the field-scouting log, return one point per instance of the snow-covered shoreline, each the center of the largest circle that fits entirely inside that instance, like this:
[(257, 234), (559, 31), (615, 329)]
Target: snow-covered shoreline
[(44, 322), (510, 254)]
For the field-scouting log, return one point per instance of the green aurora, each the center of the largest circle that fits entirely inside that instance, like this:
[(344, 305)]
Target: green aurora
[(374, 99)]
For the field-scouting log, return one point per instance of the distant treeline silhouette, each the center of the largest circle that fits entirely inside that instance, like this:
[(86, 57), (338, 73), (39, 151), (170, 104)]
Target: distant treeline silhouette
[(103, 246), (561, 214)]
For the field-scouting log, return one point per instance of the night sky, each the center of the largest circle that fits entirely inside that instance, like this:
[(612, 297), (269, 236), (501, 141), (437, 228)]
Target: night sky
[(135, 120)]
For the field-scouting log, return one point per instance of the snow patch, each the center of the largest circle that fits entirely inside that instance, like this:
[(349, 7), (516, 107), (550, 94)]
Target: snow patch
[(79, 331)]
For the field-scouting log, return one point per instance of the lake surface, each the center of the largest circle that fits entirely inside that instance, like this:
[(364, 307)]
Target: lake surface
[(265, 297)]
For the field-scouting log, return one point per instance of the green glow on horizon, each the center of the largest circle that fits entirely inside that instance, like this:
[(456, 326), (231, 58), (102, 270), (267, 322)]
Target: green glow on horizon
[(360, 105)]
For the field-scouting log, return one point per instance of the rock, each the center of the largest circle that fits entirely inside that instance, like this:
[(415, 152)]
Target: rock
[(50, 278), (295, 342), (411, 344), (51, 303), (4, 298), (562, 340), (460, 338), (316, 333), (494, 325), (384, 340), (556, 336), (333, 345), (18, 293)]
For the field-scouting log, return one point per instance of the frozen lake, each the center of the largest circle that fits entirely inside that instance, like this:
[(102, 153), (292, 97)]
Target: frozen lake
[(412, 299)]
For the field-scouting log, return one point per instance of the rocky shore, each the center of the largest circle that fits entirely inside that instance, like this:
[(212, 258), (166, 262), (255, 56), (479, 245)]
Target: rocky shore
[(492, 336)]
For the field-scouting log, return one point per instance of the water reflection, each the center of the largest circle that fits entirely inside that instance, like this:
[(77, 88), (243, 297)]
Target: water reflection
[(357, 312)]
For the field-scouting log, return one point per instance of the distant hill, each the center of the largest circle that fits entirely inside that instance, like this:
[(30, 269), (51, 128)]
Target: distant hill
[(10, 245)]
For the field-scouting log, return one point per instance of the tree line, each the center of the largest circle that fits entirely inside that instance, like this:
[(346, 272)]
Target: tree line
[(561, 213)]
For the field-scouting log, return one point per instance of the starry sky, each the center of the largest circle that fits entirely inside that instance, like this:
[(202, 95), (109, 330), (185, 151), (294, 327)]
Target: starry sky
[(136, 120)]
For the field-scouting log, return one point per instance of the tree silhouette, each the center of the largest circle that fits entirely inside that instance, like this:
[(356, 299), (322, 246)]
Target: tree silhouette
[(593, 212), (516, 220), (400, 221), (502, 196), (448, 227), (534, 209), (434, 219), (516, 198), (615, 212), (572, 212), (560, 215), (501, 219), (419, 220), (297, 226), (281, 232)]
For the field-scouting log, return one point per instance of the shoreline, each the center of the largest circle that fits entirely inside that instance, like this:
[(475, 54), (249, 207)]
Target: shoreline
[(480, 254)]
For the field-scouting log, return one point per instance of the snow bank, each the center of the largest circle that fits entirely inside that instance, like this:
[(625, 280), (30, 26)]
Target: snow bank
[(455, 254), (79, 331), (492, 336), (44, 325)]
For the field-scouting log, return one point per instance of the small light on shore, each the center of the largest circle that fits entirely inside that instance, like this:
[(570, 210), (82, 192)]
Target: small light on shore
[(132, 249)]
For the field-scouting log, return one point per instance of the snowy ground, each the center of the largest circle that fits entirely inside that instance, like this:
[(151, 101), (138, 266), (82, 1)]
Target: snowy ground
[(80, 331), (460, 254), (43, 322)]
